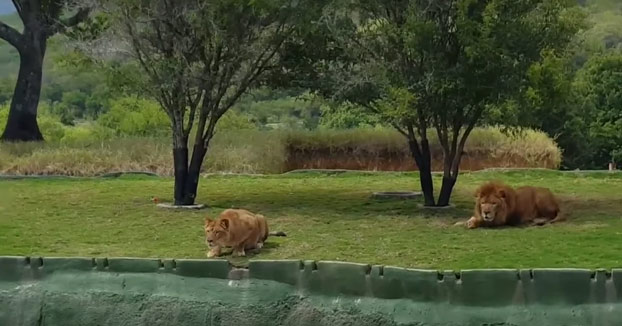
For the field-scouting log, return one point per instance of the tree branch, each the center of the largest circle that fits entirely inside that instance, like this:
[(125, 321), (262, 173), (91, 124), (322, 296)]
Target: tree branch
[(18, 7), (393, 123), (79, 17), (456, 162), (257, 68), (11, 35), (194, 103), (415, 149), (62, 24)]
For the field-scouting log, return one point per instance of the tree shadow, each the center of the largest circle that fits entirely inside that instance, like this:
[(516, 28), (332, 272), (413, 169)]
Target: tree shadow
[(291, 197), (353, 205)]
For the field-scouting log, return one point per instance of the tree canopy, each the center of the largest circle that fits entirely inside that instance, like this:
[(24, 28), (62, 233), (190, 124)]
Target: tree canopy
[(199, 58), (440, 65)]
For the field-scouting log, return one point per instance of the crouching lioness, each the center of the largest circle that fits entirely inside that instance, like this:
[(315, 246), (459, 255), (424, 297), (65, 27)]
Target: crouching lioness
[(236, 228), (497, 204)]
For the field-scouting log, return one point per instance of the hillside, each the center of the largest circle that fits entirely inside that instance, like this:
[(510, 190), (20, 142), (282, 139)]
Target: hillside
[(9, 59)]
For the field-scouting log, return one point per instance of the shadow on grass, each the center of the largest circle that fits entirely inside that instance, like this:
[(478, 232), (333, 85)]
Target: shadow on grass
[(269, 246), (326, 203)]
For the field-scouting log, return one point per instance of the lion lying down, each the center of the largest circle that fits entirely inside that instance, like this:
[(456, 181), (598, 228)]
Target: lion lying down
[(236, 228), (497, 204)]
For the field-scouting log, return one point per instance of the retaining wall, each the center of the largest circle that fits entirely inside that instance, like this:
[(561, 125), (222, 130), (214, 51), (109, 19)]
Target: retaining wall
[(124, 291)]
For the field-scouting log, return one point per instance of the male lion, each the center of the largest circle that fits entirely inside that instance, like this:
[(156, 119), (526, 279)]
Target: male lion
[(497, 204), (236, 228)]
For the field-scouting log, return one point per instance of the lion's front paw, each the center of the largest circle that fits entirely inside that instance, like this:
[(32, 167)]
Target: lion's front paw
[(213, 253), (259, 245), (239, 253), (472, 223)]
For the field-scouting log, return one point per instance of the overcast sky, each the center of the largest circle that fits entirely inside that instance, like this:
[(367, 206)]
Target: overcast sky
[(6, 7)]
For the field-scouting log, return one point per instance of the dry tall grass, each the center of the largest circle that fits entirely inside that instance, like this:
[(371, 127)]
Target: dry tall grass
[(252, 151), (386, 149)]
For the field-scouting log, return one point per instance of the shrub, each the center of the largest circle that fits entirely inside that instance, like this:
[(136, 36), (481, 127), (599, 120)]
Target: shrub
[(131, 116), (4, 115), (84, 151), (233, 120), (386, 149), (346, 116), (49, 124)]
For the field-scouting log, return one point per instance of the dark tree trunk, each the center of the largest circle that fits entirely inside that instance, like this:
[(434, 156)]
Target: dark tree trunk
[(22, 121), (425, 174), (423, 159), (450, 174), (41, 19), (180, 161), (446, 189), (194, 171), (187, 175)]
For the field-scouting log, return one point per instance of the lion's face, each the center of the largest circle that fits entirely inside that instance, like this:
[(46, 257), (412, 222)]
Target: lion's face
[(216, 231), (492, 206)]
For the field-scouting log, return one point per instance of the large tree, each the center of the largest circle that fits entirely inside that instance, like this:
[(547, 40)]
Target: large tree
[(199, 57), (598, 85), (439, 66), (41, 19)]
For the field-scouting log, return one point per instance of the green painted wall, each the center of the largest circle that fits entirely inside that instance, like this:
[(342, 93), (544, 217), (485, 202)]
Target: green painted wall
[(84, 291)]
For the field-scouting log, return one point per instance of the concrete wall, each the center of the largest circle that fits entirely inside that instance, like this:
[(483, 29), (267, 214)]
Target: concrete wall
[(120, 291)]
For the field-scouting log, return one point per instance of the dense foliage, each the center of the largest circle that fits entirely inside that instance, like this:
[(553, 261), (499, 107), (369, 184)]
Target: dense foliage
[(571, 96)]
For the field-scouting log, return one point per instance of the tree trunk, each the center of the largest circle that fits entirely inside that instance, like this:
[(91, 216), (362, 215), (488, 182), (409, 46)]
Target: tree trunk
[(446, 190), (194, 171), (22, 121), (424, 162), (425, 174), (180, 161), (450, 175)]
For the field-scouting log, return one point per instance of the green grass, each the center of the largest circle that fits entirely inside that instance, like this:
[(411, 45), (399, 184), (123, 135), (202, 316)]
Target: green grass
[(326, 218)]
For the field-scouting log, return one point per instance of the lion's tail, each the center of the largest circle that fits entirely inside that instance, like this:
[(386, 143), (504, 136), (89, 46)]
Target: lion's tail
[(278, 234)]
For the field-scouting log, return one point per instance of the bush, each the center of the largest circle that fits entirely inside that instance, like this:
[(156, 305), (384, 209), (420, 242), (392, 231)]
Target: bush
[(599, 86), (346, 116), (83, 151), (81, 154), (233, 120), (278, 110), (386, 149), (4, 115), (131, 116), (49, 124)]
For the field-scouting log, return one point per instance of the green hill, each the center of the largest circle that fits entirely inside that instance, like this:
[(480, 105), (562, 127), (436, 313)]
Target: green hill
[(9, 59)]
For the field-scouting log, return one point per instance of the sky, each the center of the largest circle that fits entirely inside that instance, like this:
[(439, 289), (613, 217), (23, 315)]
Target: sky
[(6, 7)]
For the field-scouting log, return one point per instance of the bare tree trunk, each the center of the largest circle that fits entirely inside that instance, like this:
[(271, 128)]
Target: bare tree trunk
[(449, 179), (446, 190), (423, 159), (194, 173), (452, 166), (180, 162), (425, 174), (22, 121)]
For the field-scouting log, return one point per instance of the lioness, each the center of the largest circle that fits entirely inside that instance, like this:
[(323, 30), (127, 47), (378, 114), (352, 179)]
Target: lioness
[(497, 204), (236, 228)]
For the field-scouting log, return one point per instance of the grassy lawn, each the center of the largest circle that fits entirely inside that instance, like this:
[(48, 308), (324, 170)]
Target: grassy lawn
[(325, 217)]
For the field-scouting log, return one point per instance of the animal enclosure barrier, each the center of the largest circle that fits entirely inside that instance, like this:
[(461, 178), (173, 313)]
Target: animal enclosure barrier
[(124, 291)]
